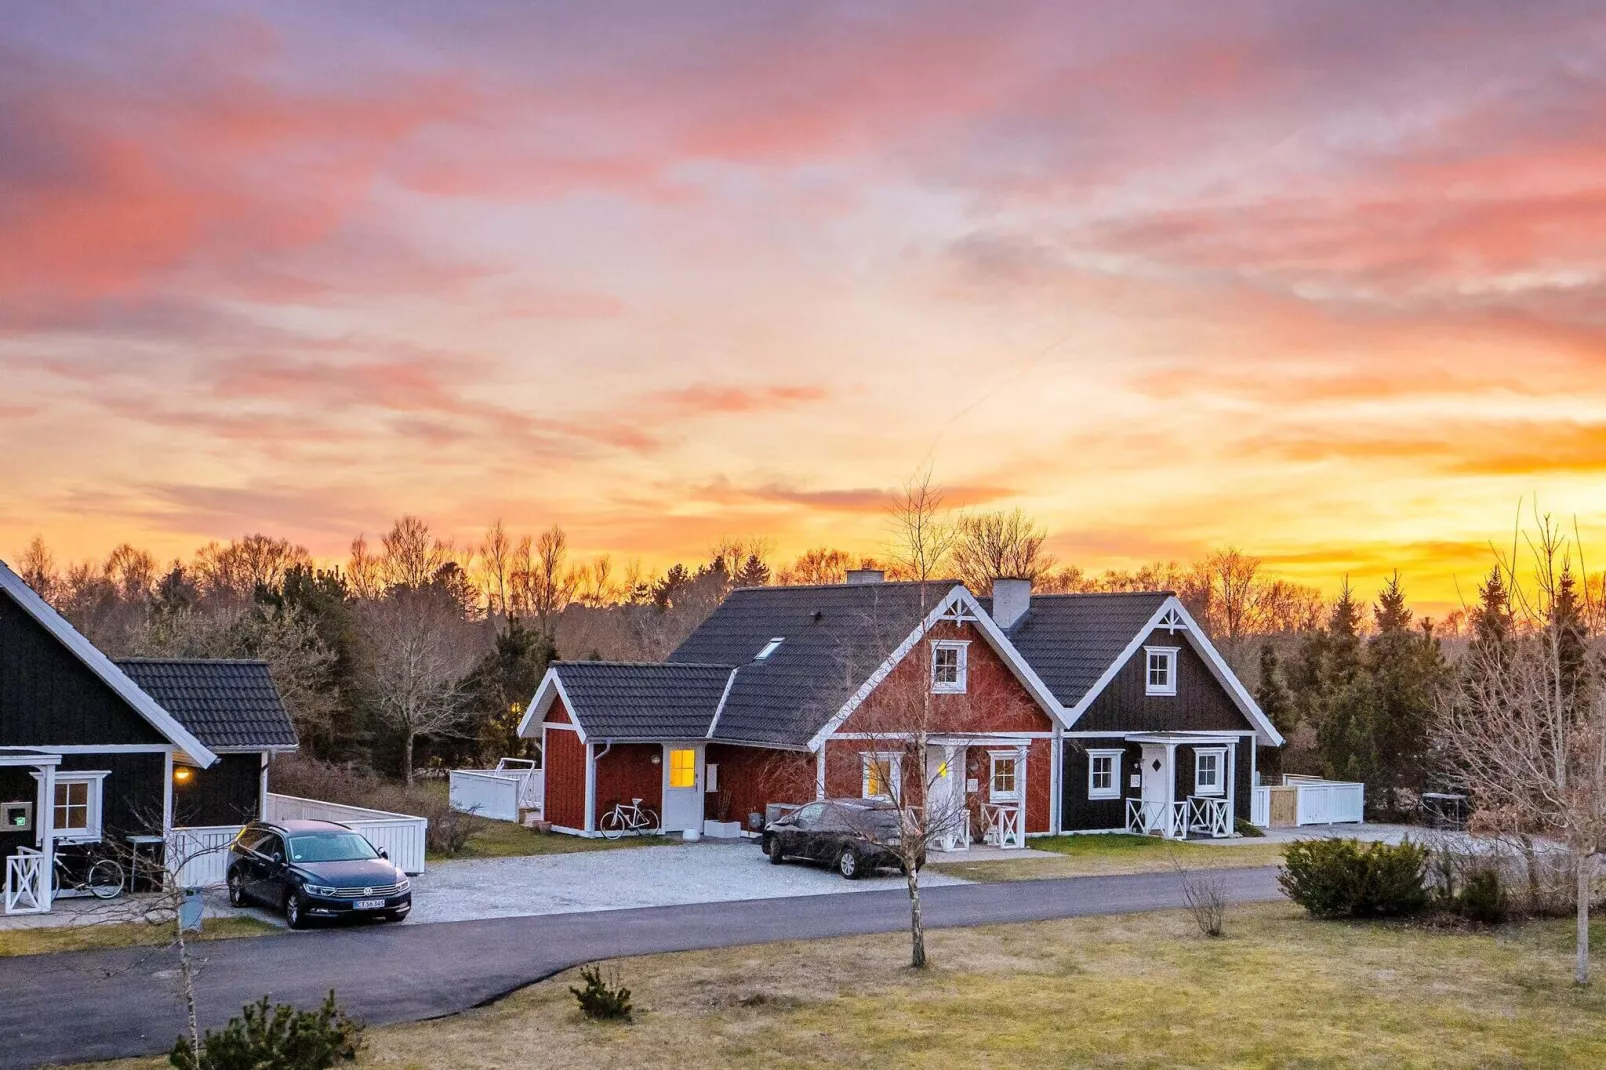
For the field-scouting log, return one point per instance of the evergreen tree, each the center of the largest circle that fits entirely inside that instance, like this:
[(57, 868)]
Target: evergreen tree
[(1342, 703), (500, 687), (1569, 633), (1491, 617), (1277, 704), (753, 573), (1407, 670), (667, 589)]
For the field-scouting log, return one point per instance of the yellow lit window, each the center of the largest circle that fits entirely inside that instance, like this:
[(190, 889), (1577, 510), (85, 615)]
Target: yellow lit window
[(683, 769), (880, 776), (72, 807)]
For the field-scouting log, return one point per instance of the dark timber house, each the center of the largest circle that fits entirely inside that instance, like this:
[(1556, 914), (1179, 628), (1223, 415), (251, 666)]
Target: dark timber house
[(1053, 713), (97, 755)]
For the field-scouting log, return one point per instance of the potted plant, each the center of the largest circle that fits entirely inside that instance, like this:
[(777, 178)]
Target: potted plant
[(721, 827)]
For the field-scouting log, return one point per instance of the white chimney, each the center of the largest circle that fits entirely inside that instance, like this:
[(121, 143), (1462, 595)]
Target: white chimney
[(866, 575), (1011, 600)]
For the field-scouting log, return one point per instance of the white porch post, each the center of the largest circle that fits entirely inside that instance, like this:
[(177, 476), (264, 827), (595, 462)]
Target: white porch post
[(47, 832), (1170, 790), (1232, 789), (1021, 784)]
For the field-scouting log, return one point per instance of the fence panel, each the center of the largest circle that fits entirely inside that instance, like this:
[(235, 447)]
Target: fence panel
[(485, 793), (401, 836), (202, 854), (1260, 807)]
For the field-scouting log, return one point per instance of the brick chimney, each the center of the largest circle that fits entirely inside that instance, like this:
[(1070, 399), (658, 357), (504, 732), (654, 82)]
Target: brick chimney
[(866, 575), (1011, 600)]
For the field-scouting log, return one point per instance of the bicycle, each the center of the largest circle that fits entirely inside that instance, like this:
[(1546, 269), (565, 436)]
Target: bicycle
[(104, 879), (633, 818)]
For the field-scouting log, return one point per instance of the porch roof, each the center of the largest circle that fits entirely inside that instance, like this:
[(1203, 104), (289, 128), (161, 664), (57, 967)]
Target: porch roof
[(1171, 738), (25, 756)]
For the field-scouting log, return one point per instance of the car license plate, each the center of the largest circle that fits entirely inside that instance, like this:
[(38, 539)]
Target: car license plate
[(369, 904)]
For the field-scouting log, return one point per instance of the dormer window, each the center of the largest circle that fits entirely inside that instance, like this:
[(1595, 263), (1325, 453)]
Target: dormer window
[(770, 647), (948, 667), (1160, 673)]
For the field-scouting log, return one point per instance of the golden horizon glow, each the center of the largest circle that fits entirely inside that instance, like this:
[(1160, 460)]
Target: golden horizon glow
[(1324, 284)]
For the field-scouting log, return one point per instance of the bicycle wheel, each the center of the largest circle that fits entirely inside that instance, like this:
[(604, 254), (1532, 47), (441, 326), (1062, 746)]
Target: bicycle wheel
[(647, 818), (613, 824), (106, 879)]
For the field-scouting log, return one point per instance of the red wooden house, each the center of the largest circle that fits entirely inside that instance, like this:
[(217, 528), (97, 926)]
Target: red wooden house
[(1046, 714)]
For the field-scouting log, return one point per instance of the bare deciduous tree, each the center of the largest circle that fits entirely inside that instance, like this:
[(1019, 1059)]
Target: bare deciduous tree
[(1525, 728), (819, 565), (496, 561), (421, 648), (242, 566), (363, 574), (412, 554), (999, 545)]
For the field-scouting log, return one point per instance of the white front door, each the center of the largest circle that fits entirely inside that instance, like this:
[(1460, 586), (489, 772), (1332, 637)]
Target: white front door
[(1158, 781), (945, 803), (683, 787)]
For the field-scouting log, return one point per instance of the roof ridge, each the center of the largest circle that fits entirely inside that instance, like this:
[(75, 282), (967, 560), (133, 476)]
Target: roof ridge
[(143, 660), (854, 586), (650, 664), (1107, 594)]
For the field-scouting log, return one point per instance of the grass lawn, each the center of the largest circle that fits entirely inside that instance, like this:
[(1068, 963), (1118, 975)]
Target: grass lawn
[(44, 939), (1143, 990), (504, 839), (1114, 853)]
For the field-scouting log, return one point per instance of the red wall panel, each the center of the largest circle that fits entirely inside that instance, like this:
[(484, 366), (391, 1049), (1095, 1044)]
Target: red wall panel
[(563, 760), (627, 772)]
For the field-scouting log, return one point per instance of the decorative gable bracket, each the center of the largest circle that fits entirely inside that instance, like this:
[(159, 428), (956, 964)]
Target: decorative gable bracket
[(1172, 622)]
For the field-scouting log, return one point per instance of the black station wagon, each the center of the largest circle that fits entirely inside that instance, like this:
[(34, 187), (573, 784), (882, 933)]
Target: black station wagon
[(315, 869), (853, 836)]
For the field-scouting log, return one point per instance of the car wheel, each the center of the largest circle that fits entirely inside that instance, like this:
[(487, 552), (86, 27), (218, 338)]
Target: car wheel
[(848, 864), (777, 856), (293, 912), (236, 889)]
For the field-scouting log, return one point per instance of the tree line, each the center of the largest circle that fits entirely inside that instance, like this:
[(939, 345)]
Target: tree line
[(421, 650)]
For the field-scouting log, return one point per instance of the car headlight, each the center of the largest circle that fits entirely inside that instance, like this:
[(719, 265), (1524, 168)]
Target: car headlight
[(319, 889), (402, 883)]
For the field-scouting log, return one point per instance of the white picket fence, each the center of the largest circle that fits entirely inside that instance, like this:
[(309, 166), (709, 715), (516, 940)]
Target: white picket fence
[(401, 836), (1316, 801), (499, 794), (203, 852)]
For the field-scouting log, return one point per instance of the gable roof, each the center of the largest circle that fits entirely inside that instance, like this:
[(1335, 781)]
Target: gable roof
[(228, 705), (99, 664), (1072, 640), (833, 639), (614, 700)]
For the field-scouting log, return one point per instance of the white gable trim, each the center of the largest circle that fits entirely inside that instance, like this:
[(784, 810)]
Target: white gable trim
[(550, 688), (958, 606), (1174, 617), (719, 709), (103, 667)]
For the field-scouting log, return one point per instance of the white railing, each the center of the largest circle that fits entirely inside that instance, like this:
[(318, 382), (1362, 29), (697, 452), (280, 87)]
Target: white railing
[(1260, 807), (1145, 817), (1208, 815), (954, 834), (1004, 825), (401, 836), (201, 854), (1324, 802), (495, 793), (26, 890)]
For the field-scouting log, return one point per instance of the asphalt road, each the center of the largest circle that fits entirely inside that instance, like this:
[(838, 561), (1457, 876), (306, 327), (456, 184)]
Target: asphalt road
[(90, 1005)]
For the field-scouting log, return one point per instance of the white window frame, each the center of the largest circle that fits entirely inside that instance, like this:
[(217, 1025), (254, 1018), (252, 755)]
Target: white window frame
[(1220, 755), (92, 832), (961, 647), (1169, 655), (1114, 790), (1014, 757), (891, 761)]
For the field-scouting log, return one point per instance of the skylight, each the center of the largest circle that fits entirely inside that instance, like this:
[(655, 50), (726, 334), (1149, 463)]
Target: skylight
[(770, 647)]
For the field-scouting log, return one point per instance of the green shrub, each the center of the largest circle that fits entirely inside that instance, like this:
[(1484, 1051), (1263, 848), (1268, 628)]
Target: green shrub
[(603, 998), (1345, 878), (1244, 828), (1483, 898), (280, 1038)]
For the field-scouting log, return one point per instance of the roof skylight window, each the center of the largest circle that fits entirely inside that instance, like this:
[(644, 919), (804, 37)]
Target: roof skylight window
[(770, 648)]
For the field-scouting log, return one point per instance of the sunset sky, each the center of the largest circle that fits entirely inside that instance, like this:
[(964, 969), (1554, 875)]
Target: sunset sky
[(1327, 281)]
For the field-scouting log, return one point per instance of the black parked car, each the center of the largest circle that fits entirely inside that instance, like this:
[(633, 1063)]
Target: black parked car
[(856, 836), (315, 869)]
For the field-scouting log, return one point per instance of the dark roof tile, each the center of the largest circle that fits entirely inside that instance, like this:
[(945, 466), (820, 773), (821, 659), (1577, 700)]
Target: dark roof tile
[(624, 700), (231, 705)]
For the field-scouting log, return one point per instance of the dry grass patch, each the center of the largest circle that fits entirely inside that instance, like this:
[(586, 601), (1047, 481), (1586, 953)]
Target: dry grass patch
[(1140, 990), (43, 940), (1143, 990)]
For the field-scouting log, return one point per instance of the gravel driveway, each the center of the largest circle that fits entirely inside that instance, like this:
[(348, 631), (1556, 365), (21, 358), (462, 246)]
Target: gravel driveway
[(627, 877)]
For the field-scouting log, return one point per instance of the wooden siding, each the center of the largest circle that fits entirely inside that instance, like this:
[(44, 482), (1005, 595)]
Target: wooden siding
[(563, 762), (48, 697), (752, 777), (993, 701), (1201, 703), (133, 796), (844, 775), (1078, 813), (229, 792), (627, 772)]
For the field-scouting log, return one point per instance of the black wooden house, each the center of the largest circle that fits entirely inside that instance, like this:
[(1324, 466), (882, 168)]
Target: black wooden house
[(103, 756)]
